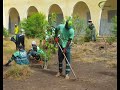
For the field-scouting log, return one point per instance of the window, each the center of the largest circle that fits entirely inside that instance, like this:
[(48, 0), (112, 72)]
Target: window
[(111, 14)]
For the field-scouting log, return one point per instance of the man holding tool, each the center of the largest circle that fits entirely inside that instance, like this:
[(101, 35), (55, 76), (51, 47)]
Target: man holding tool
[(66, 33)]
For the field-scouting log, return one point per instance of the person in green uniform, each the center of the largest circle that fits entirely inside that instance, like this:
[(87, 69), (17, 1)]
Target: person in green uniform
[(66, 35), (20, 57), (37, 53), (93, 30)]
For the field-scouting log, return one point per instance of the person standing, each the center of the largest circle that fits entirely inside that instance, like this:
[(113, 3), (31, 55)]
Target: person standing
[(93, 30), (16, 29), (66, 35), (16, 32)]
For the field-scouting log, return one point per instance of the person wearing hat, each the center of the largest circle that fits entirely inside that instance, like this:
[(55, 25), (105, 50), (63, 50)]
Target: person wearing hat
[(93, 30), (66, 33), (20, 57), (37, 53)]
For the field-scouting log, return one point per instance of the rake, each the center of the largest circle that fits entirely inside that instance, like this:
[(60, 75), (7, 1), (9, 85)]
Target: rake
[(67, 60)]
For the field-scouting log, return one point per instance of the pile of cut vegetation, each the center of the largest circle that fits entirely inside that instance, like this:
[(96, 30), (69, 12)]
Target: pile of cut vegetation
[(18, 72)]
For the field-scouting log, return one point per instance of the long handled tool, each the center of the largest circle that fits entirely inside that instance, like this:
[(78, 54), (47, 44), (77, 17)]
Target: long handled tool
[(67, 60)]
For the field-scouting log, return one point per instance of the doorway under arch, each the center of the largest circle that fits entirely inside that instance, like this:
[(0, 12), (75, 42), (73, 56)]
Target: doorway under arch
[(58, 12), (109, 10), (81, 9), (14, 18), (31, 10)]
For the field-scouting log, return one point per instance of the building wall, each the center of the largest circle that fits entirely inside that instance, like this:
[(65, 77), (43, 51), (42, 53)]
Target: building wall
[(67, 7), (105, 21)]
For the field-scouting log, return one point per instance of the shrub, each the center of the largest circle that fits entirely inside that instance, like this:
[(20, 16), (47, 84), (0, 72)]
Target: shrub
[(110, 40), (52, 19), (79, 26), (49, 45), (50, 31), (35, 25), (114, 26), (87, 36), (113, 36), (5, 32)]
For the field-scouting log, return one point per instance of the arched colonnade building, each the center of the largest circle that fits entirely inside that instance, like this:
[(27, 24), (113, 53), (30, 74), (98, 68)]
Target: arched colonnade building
[(15, 10)]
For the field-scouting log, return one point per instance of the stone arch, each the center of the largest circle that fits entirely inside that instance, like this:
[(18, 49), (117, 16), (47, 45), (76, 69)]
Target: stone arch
[(109, 10), (81, 9), (31, 10), (14, 18), (58, 11)]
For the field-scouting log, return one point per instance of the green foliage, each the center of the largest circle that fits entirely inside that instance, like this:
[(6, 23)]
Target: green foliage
[(114, 25), (79, 25), (5, 32), (50, 29), (111, 39), (52, 19), (49, 45), (82, 34), (35, 25), (87, 36), (50, 49)]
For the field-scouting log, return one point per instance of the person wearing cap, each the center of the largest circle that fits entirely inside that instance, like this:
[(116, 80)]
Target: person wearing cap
[(37, 53), (93, 30), (66, 35), (20, 57)]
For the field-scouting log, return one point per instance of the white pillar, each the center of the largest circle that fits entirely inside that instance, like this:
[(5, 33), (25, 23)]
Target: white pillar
[(99, 21)]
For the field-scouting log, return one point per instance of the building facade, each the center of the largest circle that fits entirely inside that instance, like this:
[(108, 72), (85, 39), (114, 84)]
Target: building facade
[(15, 10)]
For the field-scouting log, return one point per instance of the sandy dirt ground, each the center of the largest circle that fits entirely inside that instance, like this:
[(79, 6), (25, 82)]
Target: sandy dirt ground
[(90, 64)]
